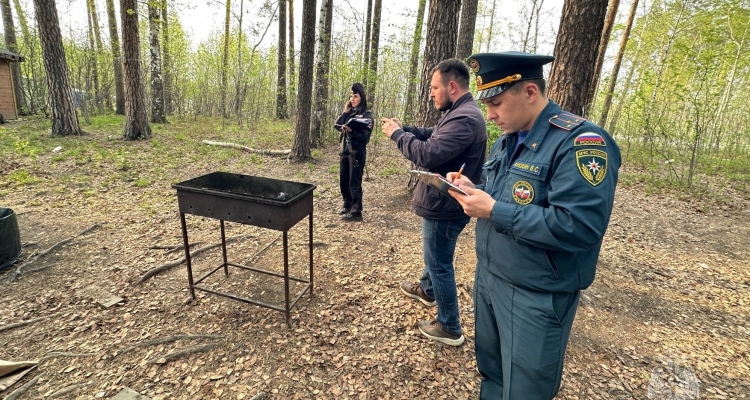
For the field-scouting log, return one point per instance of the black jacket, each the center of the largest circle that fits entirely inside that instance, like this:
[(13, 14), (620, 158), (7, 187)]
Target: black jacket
[(360, 137), (460, 136)]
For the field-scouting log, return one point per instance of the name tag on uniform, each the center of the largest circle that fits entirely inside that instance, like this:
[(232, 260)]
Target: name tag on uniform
[(527, 167)]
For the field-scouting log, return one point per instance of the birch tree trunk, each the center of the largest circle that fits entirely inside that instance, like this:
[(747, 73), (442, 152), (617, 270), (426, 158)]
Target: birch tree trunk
[(15, 69), (136, 119), (465, 45), (158, 115), (321, 74), (291, 81), (414, 64), (281, 111), (64, 118), (442, 28), (114, 41), (105, 89), (92, 58), (366, 56), (166, 59), (301, 145), (575, 54)]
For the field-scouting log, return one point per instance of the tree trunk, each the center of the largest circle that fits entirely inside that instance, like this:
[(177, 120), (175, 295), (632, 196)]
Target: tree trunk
[(136, 120), (575, 54), (531, 22), (618, 62), (492, 23), (465, 45), (366, 55), (442, 27), (238, 81), (372, 73), (106, 93), (301, 146), (281, 112), (166, 59), (321, 74), (414, 64), (225, 62), (12, 45), (292, 69), (64, 118), (33, 89), (158, 115), (116, 59), (92, 56), (609, 22)]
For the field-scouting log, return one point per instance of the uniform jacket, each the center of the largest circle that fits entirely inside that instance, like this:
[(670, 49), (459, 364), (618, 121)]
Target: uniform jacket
[(358, 138), (554, 198), (460, 136)]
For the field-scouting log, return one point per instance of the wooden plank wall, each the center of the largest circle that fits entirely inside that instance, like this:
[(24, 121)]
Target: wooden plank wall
[(7, 100)]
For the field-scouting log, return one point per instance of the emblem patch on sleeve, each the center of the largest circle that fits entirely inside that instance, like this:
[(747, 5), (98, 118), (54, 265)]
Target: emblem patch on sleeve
[(589, 139), (523, 192), (592, 164)]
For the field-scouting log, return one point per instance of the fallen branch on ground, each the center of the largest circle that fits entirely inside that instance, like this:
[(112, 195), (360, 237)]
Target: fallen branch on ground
[(62, 392), (175, 263), (183, 352), (259, 396), (20, 324), (16, 394), (12, 276), (248, 149), (167, 339)]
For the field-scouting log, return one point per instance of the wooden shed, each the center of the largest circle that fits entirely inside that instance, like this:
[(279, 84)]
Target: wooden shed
[(7, 98)]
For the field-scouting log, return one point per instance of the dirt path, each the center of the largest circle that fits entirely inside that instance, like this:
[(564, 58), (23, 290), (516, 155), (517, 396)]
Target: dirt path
[(670, 297)]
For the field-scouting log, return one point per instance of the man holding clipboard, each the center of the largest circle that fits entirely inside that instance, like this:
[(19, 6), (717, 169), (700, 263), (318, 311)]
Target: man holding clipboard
[(460, 136)]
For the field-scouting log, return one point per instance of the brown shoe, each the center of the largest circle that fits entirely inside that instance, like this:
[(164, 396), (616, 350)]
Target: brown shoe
[(414, 290), (433, 330)]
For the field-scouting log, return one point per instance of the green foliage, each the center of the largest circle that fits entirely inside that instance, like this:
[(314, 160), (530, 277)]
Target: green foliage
[(391, 169), (141, 182), (22, 177)]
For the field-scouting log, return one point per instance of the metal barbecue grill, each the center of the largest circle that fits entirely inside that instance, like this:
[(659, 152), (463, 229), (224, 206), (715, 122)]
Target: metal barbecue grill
[(263, 202)]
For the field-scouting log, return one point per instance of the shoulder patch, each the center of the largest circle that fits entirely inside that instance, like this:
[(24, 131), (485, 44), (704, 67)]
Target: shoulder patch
[(589, 139), (567, 121)]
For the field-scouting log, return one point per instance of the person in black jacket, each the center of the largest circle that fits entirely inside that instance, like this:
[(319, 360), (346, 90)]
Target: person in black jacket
[(459, 137), (355, 125)]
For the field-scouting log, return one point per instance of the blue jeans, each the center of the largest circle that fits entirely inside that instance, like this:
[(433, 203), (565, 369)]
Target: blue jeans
[(438, 279)]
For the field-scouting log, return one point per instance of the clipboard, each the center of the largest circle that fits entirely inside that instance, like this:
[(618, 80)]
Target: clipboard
[(437, 181), (358, 124)]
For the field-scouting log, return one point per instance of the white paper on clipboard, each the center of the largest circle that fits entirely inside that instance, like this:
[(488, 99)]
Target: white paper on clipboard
[(437, 181)]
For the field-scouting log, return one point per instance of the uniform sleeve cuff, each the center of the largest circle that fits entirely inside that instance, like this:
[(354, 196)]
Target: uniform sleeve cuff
[(502, 216), (397, 134)]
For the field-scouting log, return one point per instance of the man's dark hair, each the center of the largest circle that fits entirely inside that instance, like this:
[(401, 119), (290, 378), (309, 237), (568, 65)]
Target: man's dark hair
[(517, 86), (454, 70), (360, 90)]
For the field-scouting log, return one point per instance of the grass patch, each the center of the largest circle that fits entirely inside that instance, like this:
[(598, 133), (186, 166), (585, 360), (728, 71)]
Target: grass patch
[(391, 169), (22, 177), (141, 182)]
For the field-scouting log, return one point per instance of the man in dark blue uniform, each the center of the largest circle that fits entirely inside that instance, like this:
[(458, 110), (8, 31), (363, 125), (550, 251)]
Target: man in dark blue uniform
[(542, 207)]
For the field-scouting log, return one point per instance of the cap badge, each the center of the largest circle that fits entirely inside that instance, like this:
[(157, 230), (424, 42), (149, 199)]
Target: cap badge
[(479, 80), (474, 64)]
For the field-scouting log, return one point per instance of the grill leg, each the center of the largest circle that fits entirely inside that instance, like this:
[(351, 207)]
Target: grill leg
[(286, 282), (310, 234), (224, 248), (187, 255)]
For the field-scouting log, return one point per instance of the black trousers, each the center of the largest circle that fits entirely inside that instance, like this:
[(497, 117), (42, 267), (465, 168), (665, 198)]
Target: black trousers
[(350, 177)]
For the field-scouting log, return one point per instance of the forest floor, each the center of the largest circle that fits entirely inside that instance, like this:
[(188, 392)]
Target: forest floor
[(670, 299)]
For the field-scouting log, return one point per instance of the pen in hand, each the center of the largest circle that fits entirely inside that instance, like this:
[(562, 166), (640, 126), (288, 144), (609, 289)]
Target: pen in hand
[(460, 170)]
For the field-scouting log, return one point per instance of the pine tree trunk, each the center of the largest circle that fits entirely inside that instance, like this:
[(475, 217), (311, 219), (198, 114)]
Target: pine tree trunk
[(136, 119), (64, 118), (301, 145), (442, 28), (225, 62), (281, 112), (414, 64), (321, 74), (105, 93), (167, 60), (92, 59), (372, 79), (12, 45), (158, 115), (116, 59), (609, 22), (291, 81), (465, 45), (575, 54), (366, 55), (618, 62)]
